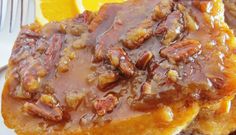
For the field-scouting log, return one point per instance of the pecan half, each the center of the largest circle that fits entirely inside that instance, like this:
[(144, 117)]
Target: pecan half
[(106, 104), (121, 60), (144, 59), (107, 79), (135, 37), (54, 114), (53, 51), (181, 50), (162, 9), (171, 28)]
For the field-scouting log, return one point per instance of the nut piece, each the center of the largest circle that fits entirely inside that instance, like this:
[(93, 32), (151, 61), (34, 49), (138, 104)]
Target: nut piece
[(20, 93), (80, 43), (54, 114), (181, 50), (218, 83), (146, 88), (162, 9), (190, 23), (135, 37), (74, 98), (30, 83), (48, 100), (106, 104), (171, 28), (173, 75), (107, 79), (120, 59), (63, 64), (143, 60)]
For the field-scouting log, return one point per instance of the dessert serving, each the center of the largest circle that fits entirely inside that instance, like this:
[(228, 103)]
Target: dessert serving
[(140, 67)]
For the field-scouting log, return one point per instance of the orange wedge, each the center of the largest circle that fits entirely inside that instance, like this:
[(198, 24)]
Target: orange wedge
[(94, 5), (55, 10)]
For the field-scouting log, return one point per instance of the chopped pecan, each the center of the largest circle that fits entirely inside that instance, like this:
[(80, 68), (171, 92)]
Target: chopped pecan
[(48, 100), (152, 67), (126, 67), (63, 65), (30, 83), (121, 60), (67, 55), (106, 104), (53, 51), (20, 93), (146, 88), (217, 83), (190, 23), (171, 28), (54, 114), (74, 98), (162, 9), (114, 56), (81, 42), (74, 28), (173, 75), (107, 79), (181, 50), (135, 37), (41, 71), (144, 59)]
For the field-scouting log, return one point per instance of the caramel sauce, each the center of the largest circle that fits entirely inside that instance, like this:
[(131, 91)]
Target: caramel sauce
[(80, 47)]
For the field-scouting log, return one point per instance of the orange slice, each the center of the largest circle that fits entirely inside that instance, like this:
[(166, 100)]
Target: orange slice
[(55, 10), (94, 5)]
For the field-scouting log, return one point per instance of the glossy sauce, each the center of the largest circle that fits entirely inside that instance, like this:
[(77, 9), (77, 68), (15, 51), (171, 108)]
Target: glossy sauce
[(201, 77)]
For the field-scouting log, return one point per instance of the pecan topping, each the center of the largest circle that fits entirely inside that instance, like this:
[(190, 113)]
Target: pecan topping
[(173, 75), (181, 50), (48, 100), (30, 83), (121, 60), (190, 23), (171, 28), (107, 79), (20, 93), (135, 37), (162, 9), (217, 83), (106, 104), (54, 114), (144, 59), (67, 56), (146, 88), (53, 51), (74, 98)]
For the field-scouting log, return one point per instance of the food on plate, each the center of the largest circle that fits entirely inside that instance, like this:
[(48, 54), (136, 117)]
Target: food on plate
[(218, 119), (140, 67), (230, 13)]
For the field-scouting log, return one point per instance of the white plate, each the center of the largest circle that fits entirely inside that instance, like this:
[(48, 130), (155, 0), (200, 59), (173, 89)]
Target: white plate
[(3, 129)]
